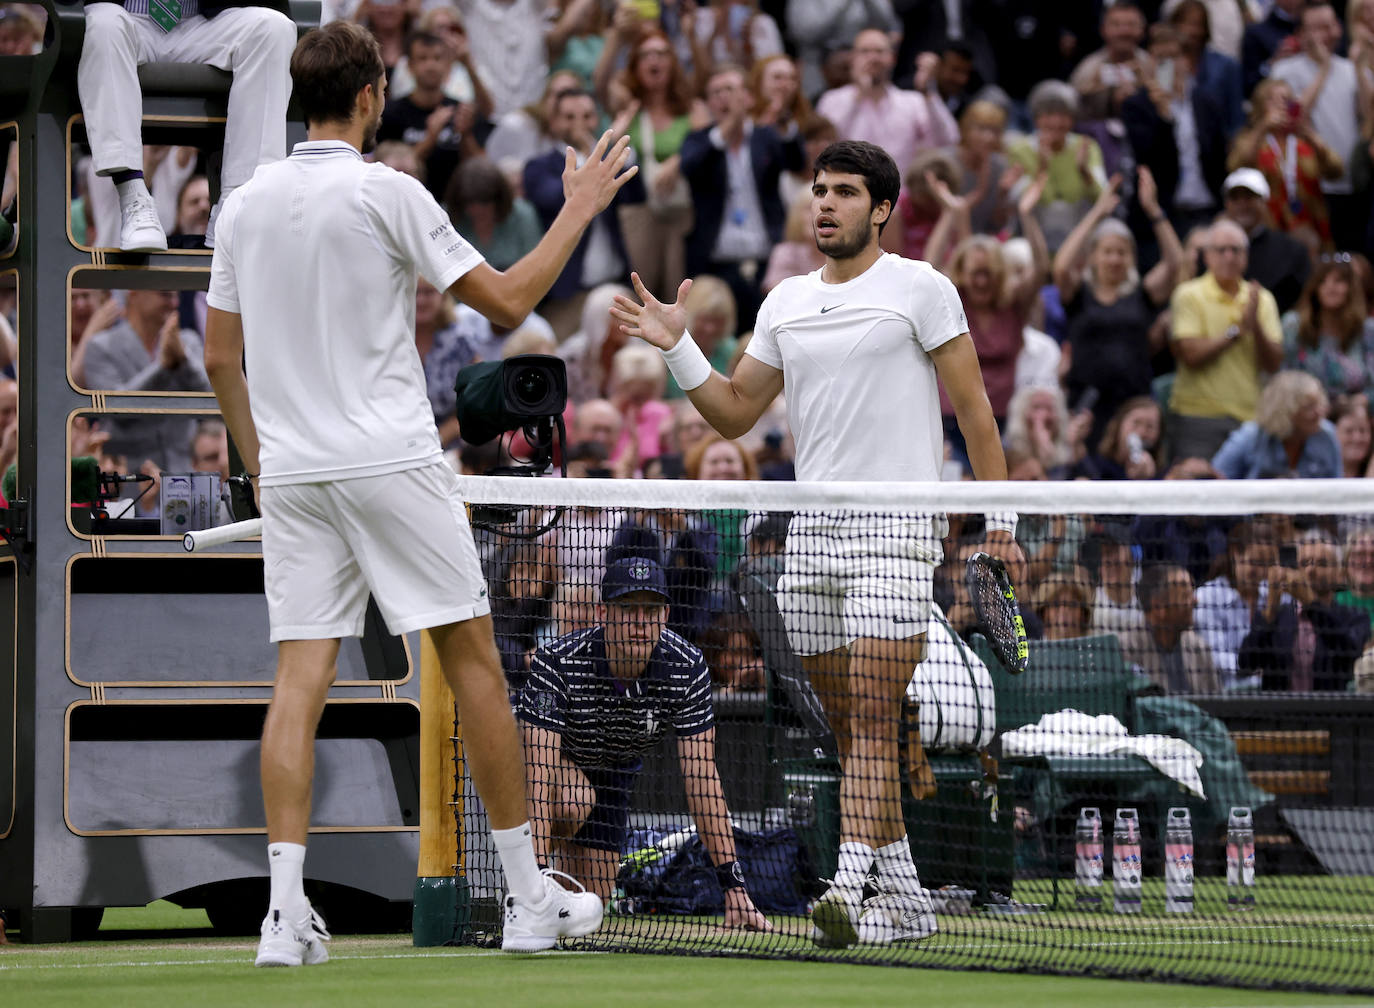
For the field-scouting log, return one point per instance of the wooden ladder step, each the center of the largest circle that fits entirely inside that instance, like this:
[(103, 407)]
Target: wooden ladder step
[(1282, 743), (1292, 782)]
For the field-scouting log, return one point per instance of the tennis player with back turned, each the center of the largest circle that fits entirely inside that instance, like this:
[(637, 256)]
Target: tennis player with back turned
[(313, 285), (857, 346)]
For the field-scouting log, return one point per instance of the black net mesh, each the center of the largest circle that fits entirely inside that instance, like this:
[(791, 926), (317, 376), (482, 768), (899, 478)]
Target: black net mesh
[(1176, 787)]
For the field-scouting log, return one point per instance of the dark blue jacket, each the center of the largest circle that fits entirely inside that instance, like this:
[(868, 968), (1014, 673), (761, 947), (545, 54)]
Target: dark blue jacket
[(703, 165), (543, 179)]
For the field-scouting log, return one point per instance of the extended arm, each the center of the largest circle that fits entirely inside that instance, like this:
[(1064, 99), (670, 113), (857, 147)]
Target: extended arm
[(731, 405), (706, 802), (508, 298)]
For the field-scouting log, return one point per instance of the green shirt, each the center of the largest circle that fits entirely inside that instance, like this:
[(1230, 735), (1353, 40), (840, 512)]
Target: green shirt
[(514, 238), (1365, 603)]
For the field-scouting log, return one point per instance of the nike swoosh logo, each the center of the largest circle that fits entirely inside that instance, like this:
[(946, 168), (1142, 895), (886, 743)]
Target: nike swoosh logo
[(831, 308)]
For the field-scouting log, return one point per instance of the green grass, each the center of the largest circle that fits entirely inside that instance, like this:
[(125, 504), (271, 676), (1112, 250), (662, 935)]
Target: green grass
[(213, 972), (1314, 931)]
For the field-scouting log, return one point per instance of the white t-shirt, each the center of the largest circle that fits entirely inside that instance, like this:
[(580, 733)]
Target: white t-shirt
[(862, 398), (319, 253)]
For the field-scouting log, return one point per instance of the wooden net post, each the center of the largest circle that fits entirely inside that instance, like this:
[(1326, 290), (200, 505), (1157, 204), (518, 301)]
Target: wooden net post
[(443, 905)]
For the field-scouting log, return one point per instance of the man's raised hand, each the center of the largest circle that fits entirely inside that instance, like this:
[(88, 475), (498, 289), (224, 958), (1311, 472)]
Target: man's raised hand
[(658, 324), (601, 175)]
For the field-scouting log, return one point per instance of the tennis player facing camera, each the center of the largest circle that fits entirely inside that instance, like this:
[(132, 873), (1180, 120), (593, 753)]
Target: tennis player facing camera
[(313, 286), (857, 346)]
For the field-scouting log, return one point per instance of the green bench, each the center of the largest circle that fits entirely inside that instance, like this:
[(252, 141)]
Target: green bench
[(1086, 674)]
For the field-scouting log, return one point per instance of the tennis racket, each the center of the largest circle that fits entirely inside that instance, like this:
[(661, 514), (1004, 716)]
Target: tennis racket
[(221, 534), (994, 604)]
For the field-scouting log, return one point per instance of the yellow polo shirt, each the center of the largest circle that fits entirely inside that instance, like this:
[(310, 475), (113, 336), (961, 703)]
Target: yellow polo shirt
[(1229, 384)]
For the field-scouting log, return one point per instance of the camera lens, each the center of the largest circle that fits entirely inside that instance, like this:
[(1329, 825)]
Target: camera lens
[(531, 386)]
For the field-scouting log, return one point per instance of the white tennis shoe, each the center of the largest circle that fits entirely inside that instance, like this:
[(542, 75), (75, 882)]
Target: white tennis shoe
[(894, 917), (835, 917), (286, 943), (561, 914), (140, 230)]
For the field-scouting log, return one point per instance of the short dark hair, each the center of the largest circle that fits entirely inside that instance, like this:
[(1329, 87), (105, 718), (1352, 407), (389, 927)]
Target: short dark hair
[(479, 180), (959, 47), (422, 37), (1154, 582), (562, 94), (330, 66), (859, 157)]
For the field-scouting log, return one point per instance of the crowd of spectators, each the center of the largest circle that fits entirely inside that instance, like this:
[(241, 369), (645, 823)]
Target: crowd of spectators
[(1157, 216)]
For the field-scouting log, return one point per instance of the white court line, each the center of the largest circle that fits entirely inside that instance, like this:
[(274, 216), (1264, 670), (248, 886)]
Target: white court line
[(138, 964)]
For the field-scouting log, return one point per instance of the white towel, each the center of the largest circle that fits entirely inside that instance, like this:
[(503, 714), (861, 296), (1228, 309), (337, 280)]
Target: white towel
[(1073, 733)]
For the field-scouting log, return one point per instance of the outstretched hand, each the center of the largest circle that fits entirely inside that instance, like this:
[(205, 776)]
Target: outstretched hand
[(601, 176), (658, 324)]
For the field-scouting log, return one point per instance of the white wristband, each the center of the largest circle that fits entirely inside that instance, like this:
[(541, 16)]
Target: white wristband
[(689, 366), (1001, 521)]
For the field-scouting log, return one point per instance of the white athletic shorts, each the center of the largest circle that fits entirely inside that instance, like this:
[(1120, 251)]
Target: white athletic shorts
[(403, 536), (846, 578)]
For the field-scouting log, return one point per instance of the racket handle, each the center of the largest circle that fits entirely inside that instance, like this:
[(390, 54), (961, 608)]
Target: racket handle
[(218, 536)]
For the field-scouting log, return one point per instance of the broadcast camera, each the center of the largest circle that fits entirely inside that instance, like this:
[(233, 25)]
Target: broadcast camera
[(527, 393)]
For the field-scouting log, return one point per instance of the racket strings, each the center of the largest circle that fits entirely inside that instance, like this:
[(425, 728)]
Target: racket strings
[(993, 606)]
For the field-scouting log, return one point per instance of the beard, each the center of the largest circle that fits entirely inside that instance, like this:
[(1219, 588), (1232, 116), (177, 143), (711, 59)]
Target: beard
[(370, 135), (843, 245)]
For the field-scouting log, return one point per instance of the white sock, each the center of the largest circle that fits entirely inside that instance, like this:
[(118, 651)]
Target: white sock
[(854, 863), (517, 858), (286, 862), (894, 862)]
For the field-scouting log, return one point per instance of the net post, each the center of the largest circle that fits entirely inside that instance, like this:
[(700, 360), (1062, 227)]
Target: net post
[(443, 907)]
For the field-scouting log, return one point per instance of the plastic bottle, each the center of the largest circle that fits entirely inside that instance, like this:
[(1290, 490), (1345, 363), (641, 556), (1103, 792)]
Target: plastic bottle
[(1240, 859), (1126, 860), (1087, 861), (1178, 861)]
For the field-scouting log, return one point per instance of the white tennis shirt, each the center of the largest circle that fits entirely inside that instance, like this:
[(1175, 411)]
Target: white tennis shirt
[(862, 397), (319, 254)]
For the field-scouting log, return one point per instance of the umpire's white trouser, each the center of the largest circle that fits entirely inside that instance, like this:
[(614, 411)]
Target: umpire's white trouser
[(254, 43)]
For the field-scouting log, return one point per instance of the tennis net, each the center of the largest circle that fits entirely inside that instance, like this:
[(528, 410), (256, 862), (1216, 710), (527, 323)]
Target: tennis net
[(1177, 786)]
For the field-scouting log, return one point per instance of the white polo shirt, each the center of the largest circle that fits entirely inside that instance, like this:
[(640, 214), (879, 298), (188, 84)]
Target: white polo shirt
[(861, 389), (319, 254)]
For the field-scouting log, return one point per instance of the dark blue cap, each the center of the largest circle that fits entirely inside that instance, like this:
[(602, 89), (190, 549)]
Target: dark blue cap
[(633, 574)]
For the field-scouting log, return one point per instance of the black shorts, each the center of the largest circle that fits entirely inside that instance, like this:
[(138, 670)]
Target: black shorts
[(608, 823)]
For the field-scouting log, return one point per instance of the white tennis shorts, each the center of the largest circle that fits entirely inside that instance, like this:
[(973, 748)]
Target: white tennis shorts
[(847, 578), (402, 536)]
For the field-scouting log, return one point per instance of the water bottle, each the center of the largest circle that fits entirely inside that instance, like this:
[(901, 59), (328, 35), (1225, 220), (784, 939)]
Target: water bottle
[(1087, 859), (1178, 861), (1126, 860), (1240, 859)]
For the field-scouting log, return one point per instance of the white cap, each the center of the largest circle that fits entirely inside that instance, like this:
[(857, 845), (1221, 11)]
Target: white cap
[(1246, 178)]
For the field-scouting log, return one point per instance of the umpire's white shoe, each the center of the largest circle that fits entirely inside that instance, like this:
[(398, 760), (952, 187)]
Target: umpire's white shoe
[(835, 917), (893, 917), (561, 914), (288, 943), (140, 230)]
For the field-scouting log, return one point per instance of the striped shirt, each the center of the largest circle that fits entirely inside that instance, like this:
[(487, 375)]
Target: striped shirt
[(570, 690)]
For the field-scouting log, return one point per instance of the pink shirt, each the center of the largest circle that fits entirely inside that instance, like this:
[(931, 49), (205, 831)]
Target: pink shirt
[(652, 416), (903, 123), (997, 338)]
